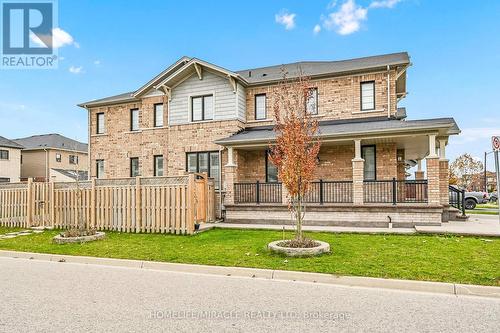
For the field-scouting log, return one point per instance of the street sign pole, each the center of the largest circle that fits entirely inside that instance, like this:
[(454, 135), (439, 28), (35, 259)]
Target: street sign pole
[(495, 143)]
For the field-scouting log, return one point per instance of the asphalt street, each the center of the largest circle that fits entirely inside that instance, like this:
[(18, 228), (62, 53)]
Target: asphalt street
[(42, 296)]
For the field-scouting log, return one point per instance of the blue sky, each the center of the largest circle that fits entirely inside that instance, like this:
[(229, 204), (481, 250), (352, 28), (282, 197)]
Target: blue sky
[(110, 47)]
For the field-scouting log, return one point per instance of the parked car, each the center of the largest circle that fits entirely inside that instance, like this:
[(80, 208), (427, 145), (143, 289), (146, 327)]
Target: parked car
[(474, 198), (494, 197)]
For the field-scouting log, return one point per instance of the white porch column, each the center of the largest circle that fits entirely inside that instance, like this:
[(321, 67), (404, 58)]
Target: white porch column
[(442, 149), (358, 165), (432, 145), (230, 157)]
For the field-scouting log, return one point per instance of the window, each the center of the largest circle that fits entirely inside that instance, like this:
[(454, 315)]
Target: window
[(368, 153), (58, 157), (158, 167), (158, 114), (260, 107), (204, 162), (73, 159), (271, 170), (202, 108), (134, 167), (4, 154), (367, 96), (312, 101), (99, 168), (134, 119), (100, 123)]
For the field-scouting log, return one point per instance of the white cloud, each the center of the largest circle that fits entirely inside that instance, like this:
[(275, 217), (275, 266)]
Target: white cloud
[(286, 19), (59, 38), (97, 62), (317, 29), (76, 70), (331, 4), (384, 3), (476, 134), (347, 19)]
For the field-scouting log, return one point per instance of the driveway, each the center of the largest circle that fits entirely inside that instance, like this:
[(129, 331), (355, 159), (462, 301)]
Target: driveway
[(46, 296)]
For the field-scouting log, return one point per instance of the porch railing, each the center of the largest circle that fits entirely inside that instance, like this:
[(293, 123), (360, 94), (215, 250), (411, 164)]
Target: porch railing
[(329, 192), (395, 191), (457, 198), (257, 192)]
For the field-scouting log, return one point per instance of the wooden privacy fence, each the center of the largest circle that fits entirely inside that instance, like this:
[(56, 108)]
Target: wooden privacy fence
[(156, 204)]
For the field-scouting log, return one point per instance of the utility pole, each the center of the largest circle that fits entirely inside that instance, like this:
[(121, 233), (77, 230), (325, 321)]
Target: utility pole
[(485, 176)]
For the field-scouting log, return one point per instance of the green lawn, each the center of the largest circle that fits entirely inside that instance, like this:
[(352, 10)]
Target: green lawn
[(434, 258), (488, 205)]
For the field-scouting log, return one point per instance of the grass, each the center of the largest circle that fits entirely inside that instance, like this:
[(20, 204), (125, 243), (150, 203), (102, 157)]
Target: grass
[(488, 205), (481, 212), (416, 257)]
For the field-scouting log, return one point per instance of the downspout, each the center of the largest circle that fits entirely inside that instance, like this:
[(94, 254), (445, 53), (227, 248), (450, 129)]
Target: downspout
[(46, 164), (388, 91), (220, 180), (89, 162)]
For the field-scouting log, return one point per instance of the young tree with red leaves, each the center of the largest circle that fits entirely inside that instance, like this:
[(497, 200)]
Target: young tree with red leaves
[(297, 143)]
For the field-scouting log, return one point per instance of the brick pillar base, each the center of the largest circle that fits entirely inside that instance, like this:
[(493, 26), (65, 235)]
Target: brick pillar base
[(419, 175), (444, 182), (229, 180), (358, 165), (433, 180)]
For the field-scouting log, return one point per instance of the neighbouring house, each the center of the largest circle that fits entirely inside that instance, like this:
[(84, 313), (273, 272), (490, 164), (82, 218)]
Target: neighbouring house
[(10, 160), (52, 156), (199, 117)]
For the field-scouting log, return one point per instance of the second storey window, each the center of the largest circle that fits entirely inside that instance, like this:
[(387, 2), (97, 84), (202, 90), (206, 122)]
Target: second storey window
[(204, 162), (367, 96), (260, 107), (100, 123), (368, 153), (58, 157), (158, 114), (312, 101), (99, 168), (134, 167), (202, 108), (4, 154), (134, 119), (158, 167), (73, 159)]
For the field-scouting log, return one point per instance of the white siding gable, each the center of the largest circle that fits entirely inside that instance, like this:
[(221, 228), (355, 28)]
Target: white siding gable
[(225, 100)]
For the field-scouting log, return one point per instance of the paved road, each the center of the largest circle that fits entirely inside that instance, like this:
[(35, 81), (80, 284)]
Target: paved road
[(38, 296)]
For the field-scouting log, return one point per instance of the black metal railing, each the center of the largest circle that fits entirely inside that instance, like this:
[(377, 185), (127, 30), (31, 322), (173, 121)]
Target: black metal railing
[(395, 191), (257, 192), (329, 192), (457, 198)]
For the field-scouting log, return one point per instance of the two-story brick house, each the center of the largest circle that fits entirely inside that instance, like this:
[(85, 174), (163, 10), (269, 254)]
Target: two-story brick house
[(199, 117)]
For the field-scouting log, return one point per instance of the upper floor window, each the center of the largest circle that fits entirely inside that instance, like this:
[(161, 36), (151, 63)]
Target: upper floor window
[(99, 168), (4, 154), (73, 159), (260, 107), (367, 96), (58, 157), (202, 108), (158, 115), (312, 101), (158, 166), (134, 167), (204, 162), (368, 153), (271, 170), (134, 119), (100, 123)]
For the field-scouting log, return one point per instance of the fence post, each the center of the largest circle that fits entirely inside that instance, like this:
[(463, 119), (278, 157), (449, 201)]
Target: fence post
[(92, 203), (52, 203), (394, 189), (138, 213), (191, 205), (258, 192), (29, 210), (321, 197)]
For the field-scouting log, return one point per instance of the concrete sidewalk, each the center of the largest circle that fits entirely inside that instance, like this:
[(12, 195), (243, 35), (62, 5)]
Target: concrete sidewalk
[(477, 225)]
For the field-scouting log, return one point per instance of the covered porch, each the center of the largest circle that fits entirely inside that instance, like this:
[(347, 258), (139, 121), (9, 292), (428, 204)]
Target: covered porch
[(362, 179)]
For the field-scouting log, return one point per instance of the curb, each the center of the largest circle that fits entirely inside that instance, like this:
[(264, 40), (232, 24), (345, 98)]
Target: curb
[(268, 274)]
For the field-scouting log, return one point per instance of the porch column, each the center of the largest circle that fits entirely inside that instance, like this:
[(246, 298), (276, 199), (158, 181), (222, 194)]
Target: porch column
[(432, 161), (443, 173), (419, 174), (230, 177), (358, 165)]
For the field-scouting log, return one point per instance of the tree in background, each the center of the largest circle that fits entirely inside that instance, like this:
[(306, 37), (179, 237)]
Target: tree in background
[(297, 145), (463, 171)]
